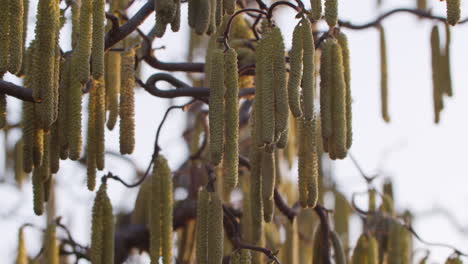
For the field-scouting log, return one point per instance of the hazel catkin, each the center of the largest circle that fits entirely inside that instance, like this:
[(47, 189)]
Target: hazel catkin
[(331, 12), (97, 226), (4, 36), (16, 9), (436, 66), (108, 231), (167, 206), (155, 215), (51, 248), (91, 142), (308, 77), (216, 232), (127, 103), (295, 73), (326, 93), (100, 122), (85, 42), (453, 11), (21, 255), (112, 82), (279, 83), (316, 6), (383, 75), (202, 226), (97, 48), (232, 119), (216, 110)]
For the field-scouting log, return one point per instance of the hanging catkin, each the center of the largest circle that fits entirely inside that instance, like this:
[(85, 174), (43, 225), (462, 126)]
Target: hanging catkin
[(339, 101), (216, 110), (175, 24), (295, 73), (91, 141), (112, 81), (4, 35), (436, 66), (127, 103), (290, 246), (97, 226), (331, 12), (326, 93), (447, 84), (308, 77), (316, 6), (339, 256), (38, 146), (3, 108), (199, 15), (54, 149), (21, 255), (167, 205), (279, 83), (232, 120), (108, 231), (216, 231), (155, 216), (97, 49), (264, 61), (165, 11), (74, 115), (268, 182), (45, 61), (85, 42), (16, 9), (373, 251), (453, 11), (64, 88), (255, 191), (75, 20), (44, 169), (38, 192), (202, 226), (343, 42), (360, 252), (51, 249), (383, 76), (307, 164), (18, 163), (100, 121)]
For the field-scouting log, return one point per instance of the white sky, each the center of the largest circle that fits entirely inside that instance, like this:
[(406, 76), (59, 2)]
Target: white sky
[(426, 161)]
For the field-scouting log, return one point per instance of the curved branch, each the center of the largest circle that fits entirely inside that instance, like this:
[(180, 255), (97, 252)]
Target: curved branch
[(416, 12), (17, 91)]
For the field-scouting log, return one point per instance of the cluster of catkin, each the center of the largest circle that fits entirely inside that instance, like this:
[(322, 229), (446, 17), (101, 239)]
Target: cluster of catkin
[(167, 12), (210, 233), (205, 16), (160, 217), (52, 123), (102, 228)]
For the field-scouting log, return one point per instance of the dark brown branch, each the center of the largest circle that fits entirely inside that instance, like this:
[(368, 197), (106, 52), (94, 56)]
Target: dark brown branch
[(17, 91)]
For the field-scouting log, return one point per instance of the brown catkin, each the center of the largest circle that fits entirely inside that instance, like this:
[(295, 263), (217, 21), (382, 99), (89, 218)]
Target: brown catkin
[(97, 226), (16, 8), (21, 254), (383, 76), (216, 110), (38, 192), (295, 73), (97, 49), (279, 83), (45, 61), (331, 12), (308, 77), (339, 102), (175, 24), (326, 87), (4, 36), (232, 120), (447, 82), (100, 122), (85, 42), (202, 226), (51, 248), (108, 231), (216, 232), (343, 42), (112, 81), (316, 6), (453, 11), (91, 141), (436, 76), (127, 103)]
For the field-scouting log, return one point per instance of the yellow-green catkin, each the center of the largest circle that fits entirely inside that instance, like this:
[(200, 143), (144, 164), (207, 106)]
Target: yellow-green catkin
[(232, 119), (360, 253), (64, 88), (97, 49), (343, 42), (85, 42), (38, 192), (264, 65), (108, 231), (3, 108), (21, 255), (268, 183), (326, 87), (398, 250), (295, 73), (44, 169), (51, 249), (155, 216), (75, 10), (255, 192), (453, 11), (437, 90), (331, 12), (308, 77), (339, 102), (127, 103), (383, 75), (18, 160), (339, 256), (165, 11), (38, 146), (45, 61), (91, 141), (199, 15), (74, 100), (216, 110), (4, 36), (373, 251), (166, 210), (316, 6), (279, 83), (341, 218), (202, 226), (447, 77), (112, 81), (54, 149), (97, 226), (216, 231), (175, 24), (307, 164), (290, 246), (100, 122), (16, 8)]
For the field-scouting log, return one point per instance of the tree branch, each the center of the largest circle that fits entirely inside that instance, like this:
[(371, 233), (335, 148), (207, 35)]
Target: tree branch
[(17, 91)]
